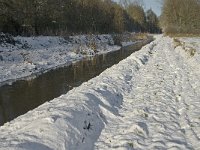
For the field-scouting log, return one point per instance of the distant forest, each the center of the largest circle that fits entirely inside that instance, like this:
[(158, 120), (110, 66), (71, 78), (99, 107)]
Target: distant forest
[(61, 17)]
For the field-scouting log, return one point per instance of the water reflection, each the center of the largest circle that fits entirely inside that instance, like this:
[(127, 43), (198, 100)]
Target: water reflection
[(23, 96)]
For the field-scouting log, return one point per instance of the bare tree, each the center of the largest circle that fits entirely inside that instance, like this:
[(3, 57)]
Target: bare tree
[(181, 16)]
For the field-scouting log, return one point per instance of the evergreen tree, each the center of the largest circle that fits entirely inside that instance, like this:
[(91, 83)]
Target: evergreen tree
[(152, 22), (137, 13)]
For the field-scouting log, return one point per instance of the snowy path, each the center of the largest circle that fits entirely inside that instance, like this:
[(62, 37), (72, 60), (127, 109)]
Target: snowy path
[(151, 100), (162, 110)]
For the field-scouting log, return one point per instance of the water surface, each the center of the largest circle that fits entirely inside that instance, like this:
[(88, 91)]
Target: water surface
[(22, 96)]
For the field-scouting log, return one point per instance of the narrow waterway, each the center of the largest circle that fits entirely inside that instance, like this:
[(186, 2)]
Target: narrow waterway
[(22, 96)]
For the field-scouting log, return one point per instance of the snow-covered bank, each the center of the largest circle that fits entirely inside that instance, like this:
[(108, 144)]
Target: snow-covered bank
[(148, 101), (27, 56)]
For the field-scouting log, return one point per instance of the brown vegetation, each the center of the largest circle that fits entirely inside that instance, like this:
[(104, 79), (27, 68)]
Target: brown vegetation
[(181, 17), (62, 17)]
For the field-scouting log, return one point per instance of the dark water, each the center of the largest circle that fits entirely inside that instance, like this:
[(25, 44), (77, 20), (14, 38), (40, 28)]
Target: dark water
[(22, 96)]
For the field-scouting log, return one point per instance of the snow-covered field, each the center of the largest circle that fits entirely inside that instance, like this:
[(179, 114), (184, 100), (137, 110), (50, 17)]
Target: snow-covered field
[(35, 55), (151, 100)]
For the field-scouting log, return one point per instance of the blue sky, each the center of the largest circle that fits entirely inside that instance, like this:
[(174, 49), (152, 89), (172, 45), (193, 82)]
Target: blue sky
[(155, 5)]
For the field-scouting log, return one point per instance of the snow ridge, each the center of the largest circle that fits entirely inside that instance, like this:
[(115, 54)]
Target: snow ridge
[(162, 111)]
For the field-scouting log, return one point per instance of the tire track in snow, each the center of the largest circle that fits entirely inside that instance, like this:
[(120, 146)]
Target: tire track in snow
[(157, 113)]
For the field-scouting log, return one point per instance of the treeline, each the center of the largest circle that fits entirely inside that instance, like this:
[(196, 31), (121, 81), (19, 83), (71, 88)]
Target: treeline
[(181, 16), (57, 17)]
